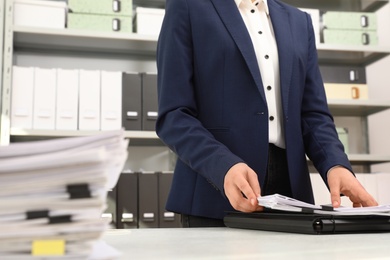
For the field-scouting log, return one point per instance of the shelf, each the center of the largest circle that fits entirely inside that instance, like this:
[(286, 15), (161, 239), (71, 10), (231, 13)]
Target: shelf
[(367, 6), (143, 138), (340, 5), (350, 55), (150, 3), (45, 39), (84, 41), (368, 158), (356, 107)]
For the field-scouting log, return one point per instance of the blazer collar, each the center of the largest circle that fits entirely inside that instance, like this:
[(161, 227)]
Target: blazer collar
[(231, 17), (265, 2), (283, 33)]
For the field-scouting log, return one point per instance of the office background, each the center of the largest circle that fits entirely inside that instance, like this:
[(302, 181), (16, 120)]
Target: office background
[(147, 154)]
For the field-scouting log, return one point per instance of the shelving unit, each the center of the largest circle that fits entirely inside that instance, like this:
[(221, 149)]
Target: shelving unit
[(65, 42), (2, 7), (353, 113)]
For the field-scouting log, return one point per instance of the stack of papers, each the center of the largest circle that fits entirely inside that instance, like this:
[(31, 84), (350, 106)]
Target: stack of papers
[(283, 203), (53, 192)]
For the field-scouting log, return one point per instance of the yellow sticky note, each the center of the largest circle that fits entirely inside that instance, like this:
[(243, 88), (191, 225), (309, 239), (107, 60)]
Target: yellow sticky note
[(48, 247)]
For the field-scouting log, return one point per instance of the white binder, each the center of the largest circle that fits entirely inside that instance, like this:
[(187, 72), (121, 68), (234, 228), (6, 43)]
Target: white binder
[(89, 100), (22, 92), (45, 84), (111, 106), (67, 99)]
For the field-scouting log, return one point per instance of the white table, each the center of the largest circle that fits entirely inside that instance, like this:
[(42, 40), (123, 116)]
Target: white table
[(229, 243)]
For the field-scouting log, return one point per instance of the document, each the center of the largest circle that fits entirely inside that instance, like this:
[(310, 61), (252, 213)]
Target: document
[(56, 191), (284, 203)]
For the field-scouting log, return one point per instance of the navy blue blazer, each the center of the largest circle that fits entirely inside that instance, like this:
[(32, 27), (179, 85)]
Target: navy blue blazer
[(212, 107)]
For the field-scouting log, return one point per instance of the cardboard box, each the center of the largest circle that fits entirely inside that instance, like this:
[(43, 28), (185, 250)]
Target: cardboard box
[(148, 20), (39, 13)]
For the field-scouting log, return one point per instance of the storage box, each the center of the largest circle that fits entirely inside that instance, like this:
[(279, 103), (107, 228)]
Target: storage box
[(349, 20), (39, 13), (22, 97), (343, 74), (131, 101), (44, 108), (109, 7), (149, 101), (107, 23), (148, 20), (343, 136), (346, 91), (350, 37)]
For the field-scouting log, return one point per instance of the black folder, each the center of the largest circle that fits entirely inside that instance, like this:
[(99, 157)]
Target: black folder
[(307, 223)]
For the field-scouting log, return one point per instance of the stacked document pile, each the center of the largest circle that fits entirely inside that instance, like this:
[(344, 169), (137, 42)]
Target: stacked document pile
[(283, 203), (53, 192)]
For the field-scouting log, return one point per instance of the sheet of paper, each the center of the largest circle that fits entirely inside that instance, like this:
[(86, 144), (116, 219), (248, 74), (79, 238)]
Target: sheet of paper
[(280, 202), (56, 190)]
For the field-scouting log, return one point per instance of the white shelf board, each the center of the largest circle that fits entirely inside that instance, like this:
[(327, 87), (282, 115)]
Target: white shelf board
[(84, 41), (368, 158), (368, 107), (150, 3), (132, 43), (351, 54), (136, 137)]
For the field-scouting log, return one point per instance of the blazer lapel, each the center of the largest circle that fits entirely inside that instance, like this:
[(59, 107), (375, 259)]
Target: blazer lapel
[(231, 17), (281, 25)]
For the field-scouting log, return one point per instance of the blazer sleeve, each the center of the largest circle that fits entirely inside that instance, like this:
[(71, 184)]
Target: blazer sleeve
[(321, 141), (177, 124)]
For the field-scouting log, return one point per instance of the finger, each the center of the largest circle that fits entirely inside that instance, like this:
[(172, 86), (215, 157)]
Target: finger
[(254, 183), (335, 195), (248, 192), (368, 201), (238, 200), (242, 204), (335, 198)]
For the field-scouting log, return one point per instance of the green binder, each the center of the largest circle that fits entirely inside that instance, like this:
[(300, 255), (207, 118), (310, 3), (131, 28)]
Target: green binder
[(349, 20), (109, 7), (105, 23), (350, 37)]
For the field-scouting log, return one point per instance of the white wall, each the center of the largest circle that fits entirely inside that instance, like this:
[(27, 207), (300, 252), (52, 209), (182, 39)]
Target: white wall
[(378, 77)]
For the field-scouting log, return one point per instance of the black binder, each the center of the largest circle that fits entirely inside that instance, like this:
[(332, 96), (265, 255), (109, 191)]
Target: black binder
[(307, 223)]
